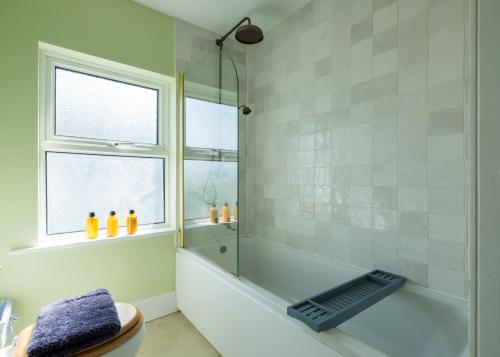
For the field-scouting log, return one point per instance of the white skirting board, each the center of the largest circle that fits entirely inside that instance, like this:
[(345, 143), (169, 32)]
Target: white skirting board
[(158, 306)]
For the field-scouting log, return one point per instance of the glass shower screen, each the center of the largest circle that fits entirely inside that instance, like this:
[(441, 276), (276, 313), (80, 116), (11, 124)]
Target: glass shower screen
[(210, 160)]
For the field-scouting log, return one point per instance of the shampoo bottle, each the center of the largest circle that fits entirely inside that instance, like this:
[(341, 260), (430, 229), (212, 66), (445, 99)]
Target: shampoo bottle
[(214, 214), (112, 224), (235, 211), (92, 226), (131, 222), (225, 213)]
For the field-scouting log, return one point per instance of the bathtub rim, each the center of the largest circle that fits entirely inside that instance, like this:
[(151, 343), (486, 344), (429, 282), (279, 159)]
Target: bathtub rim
[(458, 302)]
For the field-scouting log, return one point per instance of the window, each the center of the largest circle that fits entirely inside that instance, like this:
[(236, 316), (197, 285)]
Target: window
[(104, 143), (210, 166)]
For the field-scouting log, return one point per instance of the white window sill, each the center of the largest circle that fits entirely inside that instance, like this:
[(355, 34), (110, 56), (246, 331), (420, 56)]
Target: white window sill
[(102, 239)]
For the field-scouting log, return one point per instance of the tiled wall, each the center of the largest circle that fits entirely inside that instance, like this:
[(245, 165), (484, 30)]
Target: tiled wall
[(357, 145)]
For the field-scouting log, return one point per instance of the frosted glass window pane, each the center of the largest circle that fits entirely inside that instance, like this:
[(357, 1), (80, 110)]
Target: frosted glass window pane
[(211, 125), (78, 184), (207, 182), (98, 108)]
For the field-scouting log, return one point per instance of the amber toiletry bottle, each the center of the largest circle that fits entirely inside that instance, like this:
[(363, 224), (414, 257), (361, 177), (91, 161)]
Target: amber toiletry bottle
[(112, 224), (92, 226), (131, 222), (214, 214), (225, 213)]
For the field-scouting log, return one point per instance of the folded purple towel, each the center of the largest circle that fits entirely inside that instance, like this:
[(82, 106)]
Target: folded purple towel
[(72, 325)]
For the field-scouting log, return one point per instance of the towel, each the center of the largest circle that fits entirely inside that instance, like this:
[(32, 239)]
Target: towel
[(75, 324)]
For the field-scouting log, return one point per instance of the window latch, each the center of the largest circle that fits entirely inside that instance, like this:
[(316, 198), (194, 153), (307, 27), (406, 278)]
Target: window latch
[(121, 143)]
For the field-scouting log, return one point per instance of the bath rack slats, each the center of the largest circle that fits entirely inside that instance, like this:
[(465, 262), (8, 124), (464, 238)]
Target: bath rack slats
[(334, 306)]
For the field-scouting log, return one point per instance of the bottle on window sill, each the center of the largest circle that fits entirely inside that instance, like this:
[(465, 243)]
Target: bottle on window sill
[(235, 211), (214, 214), (131, 222), (112, 224), (92, 226), (225, 213)]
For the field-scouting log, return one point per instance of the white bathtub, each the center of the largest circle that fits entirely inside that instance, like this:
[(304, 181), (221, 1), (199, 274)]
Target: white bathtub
[(246, 316)]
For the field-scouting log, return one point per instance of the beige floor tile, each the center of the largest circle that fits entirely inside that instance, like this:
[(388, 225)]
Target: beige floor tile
[(173, 336)]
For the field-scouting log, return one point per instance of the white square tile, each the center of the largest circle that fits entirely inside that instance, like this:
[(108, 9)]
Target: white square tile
[(447, 228), (361, 134), (361, 71), (410, 8), (385, 18), (384, 131), (342, 155), (341, 137), (447, 254), (384, 219), (385, 63), (361, 196), (362, 51), (385, 197), (360, 154), (413, 249), (447, 174), (447, 280), (361, 217), (384, 153), (413, 225), (361, 175), (412, 174), (447, 201), (341, 175), (416, 272), (384, 175), (413, 199), (446, 147)]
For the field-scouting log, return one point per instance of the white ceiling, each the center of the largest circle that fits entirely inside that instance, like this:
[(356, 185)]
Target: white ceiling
[(221, 15)]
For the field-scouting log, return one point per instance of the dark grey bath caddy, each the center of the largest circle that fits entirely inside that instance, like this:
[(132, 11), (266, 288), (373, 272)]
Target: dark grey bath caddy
[(332, 307)]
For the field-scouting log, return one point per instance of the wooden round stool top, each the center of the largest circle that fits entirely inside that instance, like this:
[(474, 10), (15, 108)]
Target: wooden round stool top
[(131, 320)]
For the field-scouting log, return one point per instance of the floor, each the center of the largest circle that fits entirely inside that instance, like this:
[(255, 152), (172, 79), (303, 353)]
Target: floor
[(173, 336)]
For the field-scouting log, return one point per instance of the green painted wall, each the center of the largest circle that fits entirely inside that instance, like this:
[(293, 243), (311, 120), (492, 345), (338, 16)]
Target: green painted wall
[(119, 30)]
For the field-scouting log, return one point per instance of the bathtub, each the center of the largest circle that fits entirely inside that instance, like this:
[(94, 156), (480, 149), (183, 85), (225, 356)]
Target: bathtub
[(246, 315)]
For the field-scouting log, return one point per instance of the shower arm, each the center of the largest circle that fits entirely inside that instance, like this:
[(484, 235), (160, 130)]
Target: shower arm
[(220, 41)]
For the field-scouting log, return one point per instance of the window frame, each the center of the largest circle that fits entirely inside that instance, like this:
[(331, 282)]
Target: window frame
[(210, 94), (52, 57)]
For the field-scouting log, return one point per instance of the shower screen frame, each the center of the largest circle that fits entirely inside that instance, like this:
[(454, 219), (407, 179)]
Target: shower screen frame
[(216, 95)]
